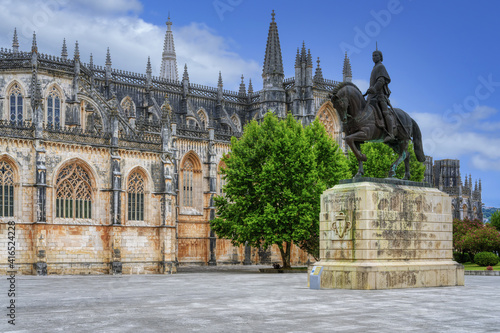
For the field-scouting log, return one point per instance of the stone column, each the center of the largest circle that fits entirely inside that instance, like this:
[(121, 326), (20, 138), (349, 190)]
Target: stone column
[(212, 170), (116, 245)]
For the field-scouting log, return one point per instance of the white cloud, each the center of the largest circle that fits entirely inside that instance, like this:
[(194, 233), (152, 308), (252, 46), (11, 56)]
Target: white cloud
[(483, 163), (206, 54), (101, 24), (488, 126), (483, 112), (444, 140), (100, 6), (363, 85)]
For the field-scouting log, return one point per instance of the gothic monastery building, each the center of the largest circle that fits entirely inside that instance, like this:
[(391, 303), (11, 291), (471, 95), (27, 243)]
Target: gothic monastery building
[(107, 171)]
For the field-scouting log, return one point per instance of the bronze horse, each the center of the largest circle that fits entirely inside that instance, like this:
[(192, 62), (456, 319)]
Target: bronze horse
[(359, 125)]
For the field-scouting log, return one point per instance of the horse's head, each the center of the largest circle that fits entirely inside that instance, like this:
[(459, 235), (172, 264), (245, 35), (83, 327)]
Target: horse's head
[(340, 102), (347, 99)]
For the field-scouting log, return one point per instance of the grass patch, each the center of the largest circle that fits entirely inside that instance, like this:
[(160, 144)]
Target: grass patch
[(475, 267)]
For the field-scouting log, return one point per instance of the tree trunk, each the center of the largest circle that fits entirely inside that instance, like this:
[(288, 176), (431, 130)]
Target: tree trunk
[(285, 254)]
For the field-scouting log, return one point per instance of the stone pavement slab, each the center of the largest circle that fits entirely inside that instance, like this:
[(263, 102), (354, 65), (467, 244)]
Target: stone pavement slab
[(239, 299)]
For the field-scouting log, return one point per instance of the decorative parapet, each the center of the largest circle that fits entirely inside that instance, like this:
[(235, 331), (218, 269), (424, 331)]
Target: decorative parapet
[(141, 141), (191, 132), (22, 130), (75, 135)]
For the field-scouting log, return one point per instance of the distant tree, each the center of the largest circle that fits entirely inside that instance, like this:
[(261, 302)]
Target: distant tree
[(275, 174), (380, 158), (472, 236), (495, 220)]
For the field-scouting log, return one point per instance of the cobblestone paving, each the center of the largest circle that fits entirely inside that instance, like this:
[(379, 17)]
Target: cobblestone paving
[(240, 299)]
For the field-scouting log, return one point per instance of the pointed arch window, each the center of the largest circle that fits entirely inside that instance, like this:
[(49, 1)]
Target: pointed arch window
[(187, 186), (16, 104), (221, 179), (135, 194), (191, 185), (327, 116), (128, 107), (236, 121), (73, 193), (54, 108), (203, 118), (6, 190)]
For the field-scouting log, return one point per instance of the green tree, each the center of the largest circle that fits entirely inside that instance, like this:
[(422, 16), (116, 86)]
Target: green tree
[(495, 220), (380, 158), (473, 236), (275, 174)]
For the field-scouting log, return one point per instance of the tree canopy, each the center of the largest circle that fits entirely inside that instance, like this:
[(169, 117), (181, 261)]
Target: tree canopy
[(495, 220), (380, 158), (275, 174), (473, 236)]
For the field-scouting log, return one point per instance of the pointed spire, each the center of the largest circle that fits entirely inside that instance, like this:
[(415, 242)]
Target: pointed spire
[(108, 58), (64, 52), (318, 75), (169, 62), (250, 87), (475, 187), (346, 71), (470, 180), (15, 42), (466, 182), (77, 51), (309, 58), (273, 62), (91, 62), (185, 76), (148, 66), (297, 59), (34, 48), (480, 187), (219, 83), (169, 23), (243, 89), (303, 52)]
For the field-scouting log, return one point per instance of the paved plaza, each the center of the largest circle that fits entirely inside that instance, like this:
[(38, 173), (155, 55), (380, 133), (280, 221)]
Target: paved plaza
[(240, 299)]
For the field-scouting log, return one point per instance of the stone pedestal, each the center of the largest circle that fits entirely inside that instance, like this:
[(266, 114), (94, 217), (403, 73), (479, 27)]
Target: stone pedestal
[(383, 234)]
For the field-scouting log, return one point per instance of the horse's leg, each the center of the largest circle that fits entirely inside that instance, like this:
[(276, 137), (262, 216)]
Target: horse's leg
[(351, 141), (361, 172), (402, 151), (407, 166)]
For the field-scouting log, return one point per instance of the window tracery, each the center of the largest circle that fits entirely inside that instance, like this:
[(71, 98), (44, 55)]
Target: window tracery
[(128, 107), (16, 103), (6, 190), (54, 108), (187, 177), (73, 193), (203, 118), (135, 192)]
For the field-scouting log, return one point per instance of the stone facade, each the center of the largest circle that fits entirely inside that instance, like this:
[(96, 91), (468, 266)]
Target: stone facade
[(466, 198), (108, 171)]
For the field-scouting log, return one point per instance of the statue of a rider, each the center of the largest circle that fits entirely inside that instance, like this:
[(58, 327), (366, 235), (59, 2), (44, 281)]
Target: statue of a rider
[(378, 93)]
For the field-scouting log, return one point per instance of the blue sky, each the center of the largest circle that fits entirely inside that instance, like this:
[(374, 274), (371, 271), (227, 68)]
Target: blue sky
[(441, 55)]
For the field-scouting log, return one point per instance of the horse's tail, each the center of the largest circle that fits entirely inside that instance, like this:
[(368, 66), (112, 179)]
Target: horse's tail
[(417, 142)]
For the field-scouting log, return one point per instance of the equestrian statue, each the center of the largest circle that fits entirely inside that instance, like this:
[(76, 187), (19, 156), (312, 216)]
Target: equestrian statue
[(375, 120)]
